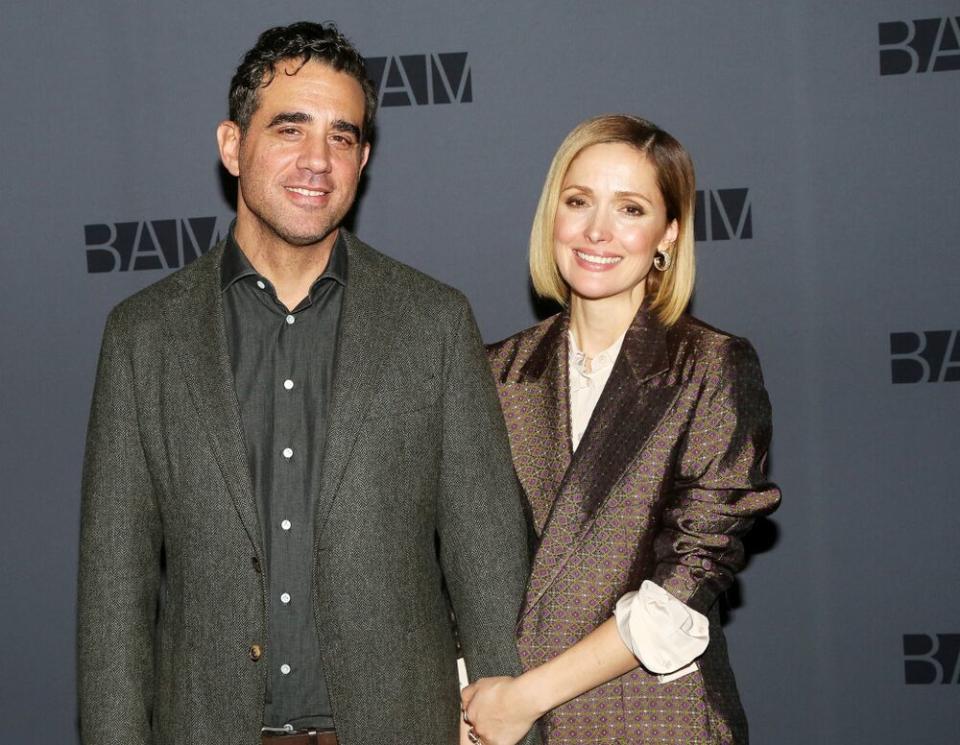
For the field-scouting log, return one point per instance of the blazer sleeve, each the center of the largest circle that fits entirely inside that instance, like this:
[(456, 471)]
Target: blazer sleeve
[(719, 485), (119, 566), (481, 525)]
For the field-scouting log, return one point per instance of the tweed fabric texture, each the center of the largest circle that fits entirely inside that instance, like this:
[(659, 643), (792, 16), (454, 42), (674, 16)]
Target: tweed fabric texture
[(668, 477), (417, 490)]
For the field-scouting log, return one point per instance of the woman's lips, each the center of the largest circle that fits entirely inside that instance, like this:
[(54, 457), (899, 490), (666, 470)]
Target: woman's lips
[(596, 262)]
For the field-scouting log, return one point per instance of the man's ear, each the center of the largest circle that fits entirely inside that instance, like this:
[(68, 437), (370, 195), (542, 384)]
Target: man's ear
[(364, 155), (228, 140)]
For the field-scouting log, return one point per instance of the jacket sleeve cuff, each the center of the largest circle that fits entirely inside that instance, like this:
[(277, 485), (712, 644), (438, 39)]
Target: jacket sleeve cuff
[(663, 633)]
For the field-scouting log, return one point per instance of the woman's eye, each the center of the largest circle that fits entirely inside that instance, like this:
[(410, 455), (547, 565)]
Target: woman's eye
[(575, 202), (633, 210)]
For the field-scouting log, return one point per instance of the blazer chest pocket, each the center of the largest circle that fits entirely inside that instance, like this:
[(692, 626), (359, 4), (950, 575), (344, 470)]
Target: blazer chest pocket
[(404, 396)]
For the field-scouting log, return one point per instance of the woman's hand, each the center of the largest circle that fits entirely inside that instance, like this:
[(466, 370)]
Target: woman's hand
[(499, 710), (464, 738), (502, 710)]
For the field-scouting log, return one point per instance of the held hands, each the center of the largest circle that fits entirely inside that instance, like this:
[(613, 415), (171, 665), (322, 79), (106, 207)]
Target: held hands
[(502, 710), (465, 736), (498, 710)]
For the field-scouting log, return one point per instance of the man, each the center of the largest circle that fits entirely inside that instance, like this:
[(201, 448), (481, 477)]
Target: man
[(294, 446)]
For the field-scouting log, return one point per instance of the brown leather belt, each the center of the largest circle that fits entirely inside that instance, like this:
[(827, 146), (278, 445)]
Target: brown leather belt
[(306, 737)]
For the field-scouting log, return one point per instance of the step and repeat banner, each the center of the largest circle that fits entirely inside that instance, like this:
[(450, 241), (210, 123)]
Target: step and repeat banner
[(825, 137)]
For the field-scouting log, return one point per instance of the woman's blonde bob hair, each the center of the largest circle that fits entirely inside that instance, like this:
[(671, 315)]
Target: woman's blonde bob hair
[(669, 291)]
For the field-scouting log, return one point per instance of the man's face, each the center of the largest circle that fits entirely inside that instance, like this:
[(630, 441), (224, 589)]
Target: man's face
[(300, 159)]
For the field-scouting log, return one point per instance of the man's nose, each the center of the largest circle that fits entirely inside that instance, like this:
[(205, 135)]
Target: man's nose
[(315, 155)]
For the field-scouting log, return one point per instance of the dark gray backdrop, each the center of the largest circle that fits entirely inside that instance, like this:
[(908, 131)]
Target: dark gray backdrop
[(846, 626)]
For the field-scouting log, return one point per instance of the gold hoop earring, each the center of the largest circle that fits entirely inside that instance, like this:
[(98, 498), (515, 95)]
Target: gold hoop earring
[(662, 260)]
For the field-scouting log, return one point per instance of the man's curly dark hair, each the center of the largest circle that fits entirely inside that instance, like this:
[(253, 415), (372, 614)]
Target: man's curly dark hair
[(303, 41)]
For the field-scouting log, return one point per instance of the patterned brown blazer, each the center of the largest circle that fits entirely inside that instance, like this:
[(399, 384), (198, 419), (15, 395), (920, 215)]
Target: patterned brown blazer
[(668, 477)]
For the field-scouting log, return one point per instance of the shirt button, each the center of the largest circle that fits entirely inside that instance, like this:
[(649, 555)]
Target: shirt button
[(288, 384), (261, 285), (285, 669), (290, 319), (285, 598), (256, 652), (288, 453), (285, 524)]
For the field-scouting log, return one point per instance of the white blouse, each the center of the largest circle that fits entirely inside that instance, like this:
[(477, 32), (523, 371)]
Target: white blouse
[(663, 633)]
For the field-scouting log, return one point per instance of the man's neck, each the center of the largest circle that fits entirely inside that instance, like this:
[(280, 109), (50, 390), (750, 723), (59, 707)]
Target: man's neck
[(292, 270)]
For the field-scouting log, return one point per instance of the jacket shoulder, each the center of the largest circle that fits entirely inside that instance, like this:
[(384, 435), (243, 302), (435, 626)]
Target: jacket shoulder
[(148, 305), (696, 345), (509, 356), (428, 292), (691, 330)]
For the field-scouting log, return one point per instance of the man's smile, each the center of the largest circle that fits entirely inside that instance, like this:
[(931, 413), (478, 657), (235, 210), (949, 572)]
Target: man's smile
[(306, 192)]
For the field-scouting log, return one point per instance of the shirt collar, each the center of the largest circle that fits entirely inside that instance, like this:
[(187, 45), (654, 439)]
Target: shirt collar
[(600, 362), (235, 265)]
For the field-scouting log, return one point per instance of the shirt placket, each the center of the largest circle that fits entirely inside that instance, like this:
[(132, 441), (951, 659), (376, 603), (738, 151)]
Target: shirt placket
[(289, 522)]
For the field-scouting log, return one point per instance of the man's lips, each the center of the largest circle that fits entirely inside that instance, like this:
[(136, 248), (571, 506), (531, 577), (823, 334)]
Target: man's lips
[(306, 191)]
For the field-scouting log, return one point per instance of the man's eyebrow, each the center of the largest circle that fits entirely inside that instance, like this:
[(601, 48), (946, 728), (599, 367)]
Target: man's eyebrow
[(290, 117), (342, 125)]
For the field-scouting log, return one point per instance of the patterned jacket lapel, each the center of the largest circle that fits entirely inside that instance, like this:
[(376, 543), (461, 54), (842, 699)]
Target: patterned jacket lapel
[(537, 413), (632, 404)]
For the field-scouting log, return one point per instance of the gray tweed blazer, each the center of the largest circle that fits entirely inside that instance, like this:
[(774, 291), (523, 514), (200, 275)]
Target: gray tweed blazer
[(418, 489)]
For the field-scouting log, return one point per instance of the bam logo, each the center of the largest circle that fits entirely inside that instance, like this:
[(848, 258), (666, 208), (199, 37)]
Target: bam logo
[(931, 658), (925, 45), (421, 79), (153, 244), (925, 356), (730, 215)]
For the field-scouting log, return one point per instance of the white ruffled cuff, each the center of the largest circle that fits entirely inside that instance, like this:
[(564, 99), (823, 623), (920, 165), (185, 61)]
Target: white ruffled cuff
[(663, 633)]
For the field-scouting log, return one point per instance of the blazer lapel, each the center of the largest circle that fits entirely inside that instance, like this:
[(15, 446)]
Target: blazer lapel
[(196, 326), (630, 408), (370, 303), (539, 421)]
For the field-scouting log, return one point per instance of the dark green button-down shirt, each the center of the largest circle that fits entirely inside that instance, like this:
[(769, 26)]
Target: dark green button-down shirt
[(283, 372)]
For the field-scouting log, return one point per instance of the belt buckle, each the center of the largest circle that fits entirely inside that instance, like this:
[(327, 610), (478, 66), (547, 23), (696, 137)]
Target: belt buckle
[(289, 729), (286, 729)]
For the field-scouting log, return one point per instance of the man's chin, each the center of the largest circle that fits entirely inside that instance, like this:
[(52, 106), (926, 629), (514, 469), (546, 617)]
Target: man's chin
[(304, 239), (288, 229)]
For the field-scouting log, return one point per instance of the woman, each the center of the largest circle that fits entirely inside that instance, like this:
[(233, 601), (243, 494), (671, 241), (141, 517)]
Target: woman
[(640, 436)]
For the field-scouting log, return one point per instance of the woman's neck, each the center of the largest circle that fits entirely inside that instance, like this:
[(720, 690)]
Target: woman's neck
[(597, 324)]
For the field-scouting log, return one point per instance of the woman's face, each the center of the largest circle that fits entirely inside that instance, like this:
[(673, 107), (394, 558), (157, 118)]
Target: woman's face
[(610, 221)]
